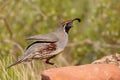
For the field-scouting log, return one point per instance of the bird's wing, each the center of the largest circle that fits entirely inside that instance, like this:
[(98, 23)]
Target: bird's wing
[(36, 50), (51, 37)]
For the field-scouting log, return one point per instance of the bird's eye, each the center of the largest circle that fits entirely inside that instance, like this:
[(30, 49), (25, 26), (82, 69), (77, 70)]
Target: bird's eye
[(69, 24)]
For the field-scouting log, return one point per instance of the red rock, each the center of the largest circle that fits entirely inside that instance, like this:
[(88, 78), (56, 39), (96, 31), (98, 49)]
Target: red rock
[(83, 72)]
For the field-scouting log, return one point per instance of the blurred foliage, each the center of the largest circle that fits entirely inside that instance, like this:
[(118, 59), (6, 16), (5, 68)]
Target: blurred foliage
[(97, 35)]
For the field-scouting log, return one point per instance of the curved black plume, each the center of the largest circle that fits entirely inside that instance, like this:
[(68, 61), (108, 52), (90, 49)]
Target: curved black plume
[(78, 19)]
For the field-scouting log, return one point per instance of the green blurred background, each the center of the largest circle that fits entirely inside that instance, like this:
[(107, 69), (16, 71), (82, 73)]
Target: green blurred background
[(96, 36)]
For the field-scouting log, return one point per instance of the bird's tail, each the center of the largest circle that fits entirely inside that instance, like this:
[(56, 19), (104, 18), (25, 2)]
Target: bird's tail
[(15, 63)]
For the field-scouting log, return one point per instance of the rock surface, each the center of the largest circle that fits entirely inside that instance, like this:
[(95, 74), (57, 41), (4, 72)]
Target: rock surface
[(111, 59), (83, 72)]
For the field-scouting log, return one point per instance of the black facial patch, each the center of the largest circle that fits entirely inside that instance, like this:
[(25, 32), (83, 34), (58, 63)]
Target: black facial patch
[(67, 28)]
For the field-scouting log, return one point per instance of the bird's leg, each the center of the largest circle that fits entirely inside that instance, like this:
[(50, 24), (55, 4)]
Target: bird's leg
[(48, 62)]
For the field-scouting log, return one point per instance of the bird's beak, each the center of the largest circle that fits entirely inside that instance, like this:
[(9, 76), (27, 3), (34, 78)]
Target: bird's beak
[(68, 24), (71, 21), (78, 19)]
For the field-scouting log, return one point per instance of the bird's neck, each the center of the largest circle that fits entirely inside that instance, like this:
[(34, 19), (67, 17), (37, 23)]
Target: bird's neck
[(67, 29), (62, 33), (64, 30)]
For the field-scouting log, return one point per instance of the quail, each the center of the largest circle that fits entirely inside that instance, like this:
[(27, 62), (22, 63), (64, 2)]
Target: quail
[(47, 46)]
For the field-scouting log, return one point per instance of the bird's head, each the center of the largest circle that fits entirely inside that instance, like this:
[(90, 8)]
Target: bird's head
[(68, 24)]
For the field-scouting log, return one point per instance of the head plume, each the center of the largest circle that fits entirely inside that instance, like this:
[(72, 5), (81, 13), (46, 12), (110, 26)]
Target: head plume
[(68, 24)]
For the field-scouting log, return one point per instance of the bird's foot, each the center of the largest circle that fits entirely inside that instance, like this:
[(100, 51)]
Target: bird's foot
[(47, 62), (56, 66)]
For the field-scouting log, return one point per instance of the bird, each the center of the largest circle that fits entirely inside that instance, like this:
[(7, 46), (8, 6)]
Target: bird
[(47, 46)]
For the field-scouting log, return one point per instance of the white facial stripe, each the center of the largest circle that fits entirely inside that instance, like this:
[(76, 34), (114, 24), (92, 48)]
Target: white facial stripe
[(64, 28)]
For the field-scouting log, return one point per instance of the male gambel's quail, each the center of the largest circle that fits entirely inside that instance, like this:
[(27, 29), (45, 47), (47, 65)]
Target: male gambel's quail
[(47, 46)]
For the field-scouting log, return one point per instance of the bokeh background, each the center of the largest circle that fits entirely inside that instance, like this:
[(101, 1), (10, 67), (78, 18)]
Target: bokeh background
[(96, 36)]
